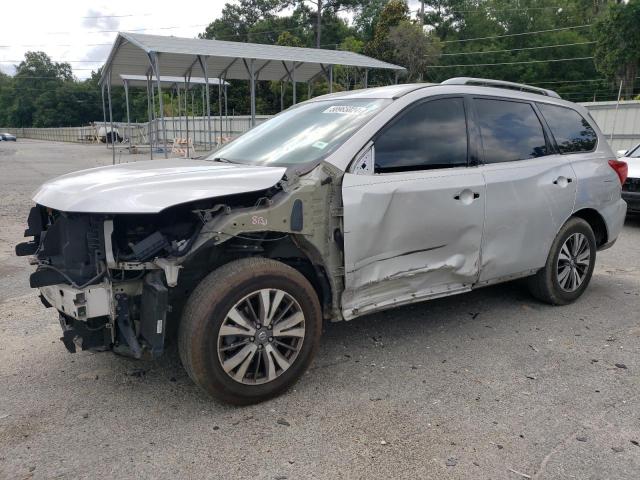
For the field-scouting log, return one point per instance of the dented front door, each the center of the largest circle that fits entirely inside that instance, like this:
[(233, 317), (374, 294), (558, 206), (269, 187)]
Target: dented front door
[(410, 235)]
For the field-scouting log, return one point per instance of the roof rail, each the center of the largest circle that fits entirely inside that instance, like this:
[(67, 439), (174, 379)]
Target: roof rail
[(484, 82)]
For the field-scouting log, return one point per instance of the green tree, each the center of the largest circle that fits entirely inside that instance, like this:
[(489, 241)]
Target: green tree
[(287, 39), (412, 48), (6, 98), (521, 58), (380, 46), (324, 11), (348, 76), (237, 19), (617, 51), (366, 17), (35, 76), (38, 65), (445, 16), (394, 12)]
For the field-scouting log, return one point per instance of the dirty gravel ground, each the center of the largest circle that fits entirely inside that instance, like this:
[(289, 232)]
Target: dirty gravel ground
[(489, 384)]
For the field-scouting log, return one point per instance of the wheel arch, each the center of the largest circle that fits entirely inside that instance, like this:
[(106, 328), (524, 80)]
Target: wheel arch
[(285, 248), (596, 222)]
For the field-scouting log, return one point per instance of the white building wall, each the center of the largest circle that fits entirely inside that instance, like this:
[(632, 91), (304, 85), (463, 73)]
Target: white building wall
[(625, 125)]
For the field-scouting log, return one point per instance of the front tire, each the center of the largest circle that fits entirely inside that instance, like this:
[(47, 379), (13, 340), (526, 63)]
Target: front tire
[(249, 330), (569, 266)]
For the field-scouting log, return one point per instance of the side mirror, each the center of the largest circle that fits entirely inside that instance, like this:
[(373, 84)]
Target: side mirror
[(621, 153)]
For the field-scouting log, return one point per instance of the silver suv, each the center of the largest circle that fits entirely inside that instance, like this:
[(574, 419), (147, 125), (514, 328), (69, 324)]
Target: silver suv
[(341, 206)]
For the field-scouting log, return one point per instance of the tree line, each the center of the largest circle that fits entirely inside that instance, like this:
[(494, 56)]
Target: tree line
[(582, 49)]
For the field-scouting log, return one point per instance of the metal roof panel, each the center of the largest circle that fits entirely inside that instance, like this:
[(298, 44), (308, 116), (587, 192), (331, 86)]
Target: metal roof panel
[(130, 56)]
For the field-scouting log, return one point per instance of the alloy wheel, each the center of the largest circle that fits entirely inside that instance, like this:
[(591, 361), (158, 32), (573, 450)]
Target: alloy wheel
[(261, 336), (573, 262)]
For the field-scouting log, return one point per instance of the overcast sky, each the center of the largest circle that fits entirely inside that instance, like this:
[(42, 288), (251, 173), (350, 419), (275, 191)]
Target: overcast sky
[(82, 33)]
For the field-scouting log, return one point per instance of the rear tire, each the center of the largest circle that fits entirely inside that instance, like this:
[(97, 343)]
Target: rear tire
[(569, 266), (249, 330)]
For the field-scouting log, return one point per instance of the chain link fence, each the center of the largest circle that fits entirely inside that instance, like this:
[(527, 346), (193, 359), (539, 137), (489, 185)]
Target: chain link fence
[(195, 130)]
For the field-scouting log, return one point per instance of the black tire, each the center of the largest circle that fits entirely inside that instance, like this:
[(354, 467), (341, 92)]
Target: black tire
[(544, 285), (207, 308)]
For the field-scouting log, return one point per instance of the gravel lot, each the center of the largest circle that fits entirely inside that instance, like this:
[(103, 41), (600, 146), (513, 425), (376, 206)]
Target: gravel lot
[(489, 384)]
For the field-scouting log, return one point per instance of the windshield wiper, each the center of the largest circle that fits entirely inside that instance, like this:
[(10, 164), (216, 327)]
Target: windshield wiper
[(221, 159)]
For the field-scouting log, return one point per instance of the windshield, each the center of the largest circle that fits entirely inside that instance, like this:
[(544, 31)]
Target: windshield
[(301, 134), (634, 153)]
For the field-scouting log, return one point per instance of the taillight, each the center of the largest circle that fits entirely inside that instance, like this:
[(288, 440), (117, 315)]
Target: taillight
[(621, 168)]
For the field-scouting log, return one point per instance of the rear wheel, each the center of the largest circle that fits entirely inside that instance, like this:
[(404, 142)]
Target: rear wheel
[(569, 266), (250, 330)]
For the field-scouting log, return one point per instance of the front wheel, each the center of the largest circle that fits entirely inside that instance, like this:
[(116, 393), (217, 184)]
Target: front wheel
[(569, 266), (249, 330)]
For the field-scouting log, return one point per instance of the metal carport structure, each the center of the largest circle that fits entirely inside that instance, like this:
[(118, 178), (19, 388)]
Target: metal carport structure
[(132, 81), (149, 55)]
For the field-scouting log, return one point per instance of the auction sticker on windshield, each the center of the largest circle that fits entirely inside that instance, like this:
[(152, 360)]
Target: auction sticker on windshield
[(345, 109)]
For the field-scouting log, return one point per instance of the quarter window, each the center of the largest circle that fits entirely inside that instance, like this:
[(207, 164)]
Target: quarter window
[(430, 135), (510, 131), (571, 131)]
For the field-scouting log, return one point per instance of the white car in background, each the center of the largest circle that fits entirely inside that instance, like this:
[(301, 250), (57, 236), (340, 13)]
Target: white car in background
[(631, 187)]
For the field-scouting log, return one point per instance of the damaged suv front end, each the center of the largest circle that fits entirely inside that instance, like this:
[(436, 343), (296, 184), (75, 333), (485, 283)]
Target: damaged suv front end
[(108, 275), (110, 267), (119, 250)]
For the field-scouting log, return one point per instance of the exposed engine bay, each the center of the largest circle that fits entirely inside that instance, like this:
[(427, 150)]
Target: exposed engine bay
[(119, 281)]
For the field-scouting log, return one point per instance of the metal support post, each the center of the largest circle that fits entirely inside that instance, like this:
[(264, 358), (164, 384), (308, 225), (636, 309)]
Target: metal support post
[(186, 105), (113, 145), (193, 116), (173, 116), (293, 80), (220, 109), (179, 110), (154, 123), (330, 78), (203, 66), (126, 98), (156, 67), (104, 118), (149, 87), (226, 109), (252, 74)]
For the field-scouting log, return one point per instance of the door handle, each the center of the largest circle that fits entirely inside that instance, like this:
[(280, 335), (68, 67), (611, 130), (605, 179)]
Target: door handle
[(466, 196), (562, 181)]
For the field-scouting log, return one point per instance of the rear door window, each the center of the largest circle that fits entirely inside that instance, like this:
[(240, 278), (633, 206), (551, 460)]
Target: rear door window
[(510, 130), (571, 130)]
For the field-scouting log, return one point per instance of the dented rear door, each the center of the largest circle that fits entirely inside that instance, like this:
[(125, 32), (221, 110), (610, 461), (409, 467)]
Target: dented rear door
[(413, 234), (530, 189)]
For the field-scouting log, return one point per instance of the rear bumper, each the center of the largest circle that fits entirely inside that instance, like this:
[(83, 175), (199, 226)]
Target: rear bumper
[(613, 215)]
